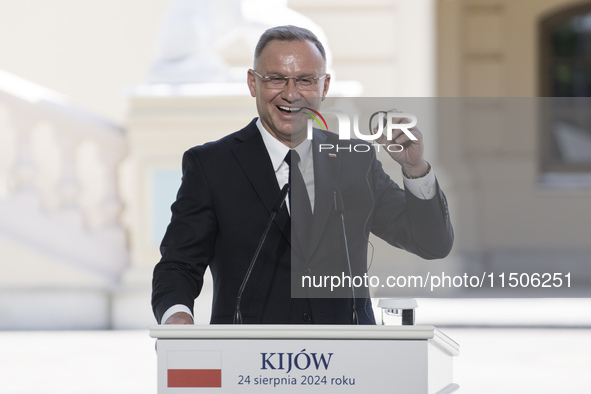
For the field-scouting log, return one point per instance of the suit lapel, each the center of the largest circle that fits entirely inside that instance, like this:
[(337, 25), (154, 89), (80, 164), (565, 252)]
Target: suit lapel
[(254, 160), (256, 164), (326, 172)]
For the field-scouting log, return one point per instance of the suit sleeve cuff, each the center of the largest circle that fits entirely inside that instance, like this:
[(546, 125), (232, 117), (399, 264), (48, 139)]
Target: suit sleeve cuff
[(174, 309), (423, 188)]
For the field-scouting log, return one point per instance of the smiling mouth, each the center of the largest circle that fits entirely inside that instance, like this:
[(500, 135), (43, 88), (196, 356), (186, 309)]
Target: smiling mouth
[(290, 110)]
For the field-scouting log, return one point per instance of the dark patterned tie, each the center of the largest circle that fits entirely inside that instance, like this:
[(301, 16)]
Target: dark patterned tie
[(299, 201)]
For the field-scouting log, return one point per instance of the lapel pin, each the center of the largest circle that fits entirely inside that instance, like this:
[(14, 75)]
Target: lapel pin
[(332, 155)]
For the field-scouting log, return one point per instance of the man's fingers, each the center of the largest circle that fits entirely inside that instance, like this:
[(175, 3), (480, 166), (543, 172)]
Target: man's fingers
[(179, 318), (403, 139)]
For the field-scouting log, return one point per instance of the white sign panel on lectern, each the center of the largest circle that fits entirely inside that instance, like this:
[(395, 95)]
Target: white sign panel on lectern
[(290, 359)]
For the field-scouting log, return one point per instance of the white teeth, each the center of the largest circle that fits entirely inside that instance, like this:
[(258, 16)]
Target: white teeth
[(291, 109)]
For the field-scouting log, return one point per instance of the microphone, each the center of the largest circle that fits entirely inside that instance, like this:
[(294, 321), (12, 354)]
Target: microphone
[(340, 208), (276, 207)]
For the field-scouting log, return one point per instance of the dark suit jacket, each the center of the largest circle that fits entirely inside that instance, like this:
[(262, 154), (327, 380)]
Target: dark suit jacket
[(225, 199)]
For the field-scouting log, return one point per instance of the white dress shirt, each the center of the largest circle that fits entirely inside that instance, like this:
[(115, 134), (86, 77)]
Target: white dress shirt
[(277, 152)]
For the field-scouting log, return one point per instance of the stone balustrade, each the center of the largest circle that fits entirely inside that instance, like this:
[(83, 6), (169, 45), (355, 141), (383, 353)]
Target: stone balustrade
[(58, 155), (59, 179)]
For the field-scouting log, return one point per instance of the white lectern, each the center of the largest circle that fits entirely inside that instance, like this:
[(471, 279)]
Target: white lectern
[(304, 359)]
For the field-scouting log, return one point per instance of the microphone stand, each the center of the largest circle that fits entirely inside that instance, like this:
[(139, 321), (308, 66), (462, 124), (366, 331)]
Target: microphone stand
[(276, 207), (340, 207)]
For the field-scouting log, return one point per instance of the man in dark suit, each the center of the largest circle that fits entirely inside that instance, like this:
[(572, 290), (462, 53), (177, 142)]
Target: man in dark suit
[(229, 187)]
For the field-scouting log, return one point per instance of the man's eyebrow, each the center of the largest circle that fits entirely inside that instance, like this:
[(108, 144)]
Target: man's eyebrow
[(275, 74)]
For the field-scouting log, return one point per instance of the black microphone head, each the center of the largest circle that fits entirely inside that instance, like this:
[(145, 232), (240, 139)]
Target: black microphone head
[(281, 198), (338, 201)]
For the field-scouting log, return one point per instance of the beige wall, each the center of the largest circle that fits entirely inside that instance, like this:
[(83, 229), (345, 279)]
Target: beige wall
[(489, 48), (90, 50), (86, 50), (387, 45)]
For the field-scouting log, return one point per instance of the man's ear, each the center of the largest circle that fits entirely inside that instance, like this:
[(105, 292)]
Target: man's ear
[(326, 85), (251, 80)]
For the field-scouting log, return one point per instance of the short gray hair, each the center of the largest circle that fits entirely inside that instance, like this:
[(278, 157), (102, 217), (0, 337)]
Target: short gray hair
[(287, 33)]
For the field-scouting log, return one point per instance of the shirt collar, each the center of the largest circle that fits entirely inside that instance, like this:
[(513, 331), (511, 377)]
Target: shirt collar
[(278, 150)]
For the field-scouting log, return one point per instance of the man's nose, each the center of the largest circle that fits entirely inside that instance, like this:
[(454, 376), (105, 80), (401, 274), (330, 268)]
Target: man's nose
[(290, 90)]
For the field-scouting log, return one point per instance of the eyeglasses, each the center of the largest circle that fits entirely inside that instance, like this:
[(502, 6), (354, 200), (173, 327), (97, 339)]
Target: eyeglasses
[(301, 83)]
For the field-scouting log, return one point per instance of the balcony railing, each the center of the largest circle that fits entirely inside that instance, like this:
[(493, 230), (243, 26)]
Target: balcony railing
[(59, 167)]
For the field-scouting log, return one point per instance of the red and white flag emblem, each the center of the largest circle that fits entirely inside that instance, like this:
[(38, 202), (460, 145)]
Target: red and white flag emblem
[(194, 368)]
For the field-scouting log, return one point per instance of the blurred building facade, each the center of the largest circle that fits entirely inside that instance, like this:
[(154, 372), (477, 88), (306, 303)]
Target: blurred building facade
[(85, 202), (521, 196)]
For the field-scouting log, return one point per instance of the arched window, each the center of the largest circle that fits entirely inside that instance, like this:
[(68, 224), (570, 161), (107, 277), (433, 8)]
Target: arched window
[(565, 75)]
